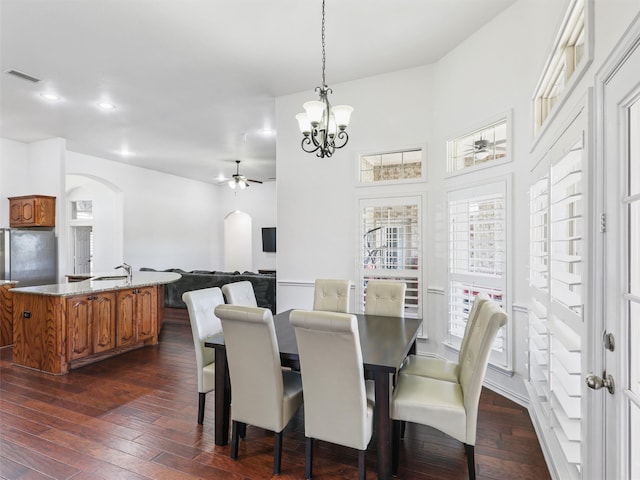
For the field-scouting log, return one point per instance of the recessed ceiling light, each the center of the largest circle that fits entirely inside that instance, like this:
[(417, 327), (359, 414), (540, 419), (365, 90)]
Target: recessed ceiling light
[(106, 106), (50, 96)]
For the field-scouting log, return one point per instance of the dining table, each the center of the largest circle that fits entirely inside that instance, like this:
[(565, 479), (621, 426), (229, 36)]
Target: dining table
[(385, 343)]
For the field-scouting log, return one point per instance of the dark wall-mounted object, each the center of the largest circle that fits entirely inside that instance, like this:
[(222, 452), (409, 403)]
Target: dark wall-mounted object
[(268, 239)]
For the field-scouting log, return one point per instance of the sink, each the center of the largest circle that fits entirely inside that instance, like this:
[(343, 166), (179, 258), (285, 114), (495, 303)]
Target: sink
[(109, 277)]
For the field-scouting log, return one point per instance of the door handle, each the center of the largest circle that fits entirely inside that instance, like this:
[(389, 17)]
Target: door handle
[(595, 382)]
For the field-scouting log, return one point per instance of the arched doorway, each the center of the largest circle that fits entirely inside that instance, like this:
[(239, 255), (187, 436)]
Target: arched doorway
[(238, 254)]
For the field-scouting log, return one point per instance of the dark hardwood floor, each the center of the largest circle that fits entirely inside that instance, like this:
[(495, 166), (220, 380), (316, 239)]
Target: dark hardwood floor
[(134, 417)]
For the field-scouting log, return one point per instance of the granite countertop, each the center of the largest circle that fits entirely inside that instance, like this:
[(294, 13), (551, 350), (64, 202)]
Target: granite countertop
[(94, 285)]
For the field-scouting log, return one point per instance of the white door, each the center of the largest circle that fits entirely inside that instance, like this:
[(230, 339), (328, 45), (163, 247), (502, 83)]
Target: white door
[(619, 163), (82, 249)]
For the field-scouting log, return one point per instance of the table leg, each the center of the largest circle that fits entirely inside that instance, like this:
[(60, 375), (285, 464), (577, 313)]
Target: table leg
[(383, 424), (222, 398)]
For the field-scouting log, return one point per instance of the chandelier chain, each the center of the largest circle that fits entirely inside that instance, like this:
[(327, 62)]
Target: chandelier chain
[(323, 49)]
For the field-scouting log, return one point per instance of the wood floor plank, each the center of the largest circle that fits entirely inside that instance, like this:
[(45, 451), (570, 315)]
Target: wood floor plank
[(133, 417)]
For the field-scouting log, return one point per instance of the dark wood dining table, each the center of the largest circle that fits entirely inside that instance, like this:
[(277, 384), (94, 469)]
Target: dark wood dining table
[(385, 343)]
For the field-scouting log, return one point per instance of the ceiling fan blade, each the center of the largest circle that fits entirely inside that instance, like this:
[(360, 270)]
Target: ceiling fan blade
[(254, 181)]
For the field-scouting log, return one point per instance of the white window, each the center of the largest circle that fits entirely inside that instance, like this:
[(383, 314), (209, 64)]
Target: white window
[(486, 145), (555, 310), (82, 210), (393, 166), (569, 58), (391, 246), (477, 218)]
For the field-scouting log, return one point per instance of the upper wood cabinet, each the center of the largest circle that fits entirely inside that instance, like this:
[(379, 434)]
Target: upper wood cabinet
[(32, 211)]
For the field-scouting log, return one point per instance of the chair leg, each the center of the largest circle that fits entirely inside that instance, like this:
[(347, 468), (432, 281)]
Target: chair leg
[(243, 430), (201, 398), (362, 465), (403, 428), (471, 461), (235, 427), (308, 461), (277, 453), (395, 445)]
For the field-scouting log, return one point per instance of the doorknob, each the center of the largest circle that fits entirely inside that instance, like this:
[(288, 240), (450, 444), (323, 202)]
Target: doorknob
[(596, 383)]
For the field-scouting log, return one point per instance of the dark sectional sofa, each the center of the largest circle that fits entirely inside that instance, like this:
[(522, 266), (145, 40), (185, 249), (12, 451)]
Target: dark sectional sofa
[(264, 285)]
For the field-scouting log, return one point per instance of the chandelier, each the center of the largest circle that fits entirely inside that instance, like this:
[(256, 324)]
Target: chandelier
[(324, 128)]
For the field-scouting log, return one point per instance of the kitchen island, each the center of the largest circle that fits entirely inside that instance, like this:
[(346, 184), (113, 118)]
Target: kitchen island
[(64, 326)]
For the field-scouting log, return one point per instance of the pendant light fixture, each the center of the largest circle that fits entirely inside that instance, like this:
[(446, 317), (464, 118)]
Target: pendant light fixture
[(324, 128)]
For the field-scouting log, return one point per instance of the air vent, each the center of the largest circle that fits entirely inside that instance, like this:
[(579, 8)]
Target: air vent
[(23, 75)]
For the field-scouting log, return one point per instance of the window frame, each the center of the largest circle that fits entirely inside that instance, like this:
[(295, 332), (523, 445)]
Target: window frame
[(488, 123), (382, 200), (558, 58), (384, 151), (499, 361)]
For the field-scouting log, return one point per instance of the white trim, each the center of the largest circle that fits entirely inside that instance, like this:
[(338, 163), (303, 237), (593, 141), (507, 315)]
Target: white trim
[(381, 151), (580, 70), (508, 117)]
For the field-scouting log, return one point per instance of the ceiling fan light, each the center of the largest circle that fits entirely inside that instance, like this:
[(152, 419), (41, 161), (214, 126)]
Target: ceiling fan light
[(342, 114), (304, 123), (315, 110), (232, 183), (242, 184)]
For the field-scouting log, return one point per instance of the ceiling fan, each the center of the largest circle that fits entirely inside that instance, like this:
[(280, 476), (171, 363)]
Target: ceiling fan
[(482, 148), (240, 181)]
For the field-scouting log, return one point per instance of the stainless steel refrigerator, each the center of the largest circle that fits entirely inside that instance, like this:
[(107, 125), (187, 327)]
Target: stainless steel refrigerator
[(28, 256)]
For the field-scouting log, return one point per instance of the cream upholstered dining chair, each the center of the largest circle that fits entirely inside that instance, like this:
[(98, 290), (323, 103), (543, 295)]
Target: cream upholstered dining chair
[(262, 393), (440, 368), (451, 407), (240, 293), (332, 295), (385, 297), (338, 407), (204, 323)]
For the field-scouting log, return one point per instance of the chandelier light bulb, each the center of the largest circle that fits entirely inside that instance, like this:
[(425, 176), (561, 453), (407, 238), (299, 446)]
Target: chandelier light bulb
[(342, 114), (304, 123), (315, 111)]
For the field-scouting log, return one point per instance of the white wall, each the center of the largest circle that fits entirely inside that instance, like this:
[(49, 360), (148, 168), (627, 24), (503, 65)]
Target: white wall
[(259, 202), (168, 221), (496, 70), (14, 175), (107, 221)]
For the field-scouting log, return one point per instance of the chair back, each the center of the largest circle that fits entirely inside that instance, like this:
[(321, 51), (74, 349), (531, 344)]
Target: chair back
[(254, 366), (474, 364), (240, 293), (201, 306), (335, 395), (471, 318), (385, 297), (332, 295)]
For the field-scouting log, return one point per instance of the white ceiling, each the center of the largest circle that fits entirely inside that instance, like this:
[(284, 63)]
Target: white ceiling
[(195, 81)]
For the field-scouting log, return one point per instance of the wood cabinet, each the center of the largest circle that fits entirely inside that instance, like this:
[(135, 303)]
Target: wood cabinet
[(138, 315), (92, 324), (55, 333), (6, 315), (39, 336), (32, 211)]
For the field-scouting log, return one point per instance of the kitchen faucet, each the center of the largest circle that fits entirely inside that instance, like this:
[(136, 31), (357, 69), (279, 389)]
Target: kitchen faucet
[(127, 268)]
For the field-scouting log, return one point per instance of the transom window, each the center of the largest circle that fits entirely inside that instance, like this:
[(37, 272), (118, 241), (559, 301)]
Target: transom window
[(81, 210), (394, 166), (569, 58), (484, 145)]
